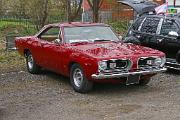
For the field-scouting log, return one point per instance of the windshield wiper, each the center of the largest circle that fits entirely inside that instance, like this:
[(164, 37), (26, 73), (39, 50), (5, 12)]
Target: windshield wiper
[(80, 42), (101, 40)]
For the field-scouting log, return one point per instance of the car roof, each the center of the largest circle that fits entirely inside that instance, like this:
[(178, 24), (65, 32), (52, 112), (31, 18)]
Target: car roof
[(172, 17), (77, 24)]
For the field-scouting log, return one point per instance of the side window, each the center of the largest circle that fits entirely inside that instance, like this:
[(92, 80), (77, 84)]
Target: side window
[(50, 34), (137, 24), (168, 26), (150, 25)]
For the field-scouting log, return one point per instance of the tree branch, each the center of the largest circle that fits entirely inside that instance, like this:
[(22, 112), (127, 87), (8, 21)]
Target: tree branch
[(100, 4), (90, 4), (77, 11)]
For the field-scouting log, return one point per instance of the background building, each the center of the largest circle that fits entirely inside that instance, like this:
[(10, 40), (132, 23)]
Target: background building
[(112, 10), (174, 4)]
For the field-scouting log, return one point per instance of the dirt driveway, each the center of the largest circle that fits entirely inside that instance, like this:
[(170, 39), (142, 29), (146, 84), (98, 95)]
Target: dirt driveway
[(49, 96)]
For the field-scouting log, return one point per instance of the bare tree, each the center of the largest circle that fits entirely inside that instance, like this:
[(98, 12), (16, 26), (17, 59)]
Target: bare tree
[(95, 6), (73, 9), (69, 10), (38, 12), (1, 7), (45, 13)]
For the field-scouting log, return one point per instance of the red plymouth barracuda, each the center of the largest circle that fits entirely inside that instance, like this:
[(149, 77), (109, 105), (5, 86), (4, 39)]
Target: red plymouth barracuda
[(89, 53)]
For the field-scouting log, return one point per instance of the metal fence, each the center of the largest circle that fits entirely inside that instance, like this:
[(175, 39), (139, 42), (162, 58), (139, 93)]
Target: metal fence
[(9, 26), (110, 16)]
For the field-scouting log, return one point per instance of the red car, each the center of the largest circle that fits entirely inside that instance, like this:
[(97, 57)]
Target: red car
[(89, 53)]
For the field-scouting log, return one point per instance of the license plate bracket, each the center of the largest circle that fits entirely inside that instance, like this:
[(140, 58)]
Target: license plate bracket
[(132, 79)]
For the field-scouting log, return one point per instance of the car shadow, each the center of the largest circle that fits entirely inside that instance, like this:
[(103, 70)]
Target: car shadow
[(54, 76), (120, 88), (100, 87), (173, 72)]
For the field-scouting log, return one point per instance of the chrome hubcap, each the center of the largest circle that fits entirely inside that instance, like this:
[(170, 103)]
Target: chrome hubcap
[(30, 61), (78, 77)]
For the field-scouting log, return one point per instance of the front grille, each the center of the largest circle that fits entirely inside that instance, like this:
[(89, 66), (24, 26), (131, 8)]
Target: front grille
[(146, 62), (118, 65)]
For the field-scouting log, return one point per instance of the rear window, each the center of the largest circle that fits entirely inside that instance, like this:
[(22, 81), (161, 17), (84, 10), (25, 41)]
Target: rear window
[(150, 25)]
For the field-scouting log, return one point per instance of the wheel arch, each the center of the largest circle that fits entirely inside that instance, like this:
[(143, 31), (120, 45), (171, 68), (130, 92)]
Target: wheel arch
[(26, 51), (71, 64)]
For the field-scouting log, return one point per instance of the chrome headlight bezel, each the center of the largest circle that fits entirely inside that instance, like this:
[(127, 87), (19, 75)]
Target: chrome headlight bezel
[(163, 61), (157, 61), (152, 61), (160, 61)]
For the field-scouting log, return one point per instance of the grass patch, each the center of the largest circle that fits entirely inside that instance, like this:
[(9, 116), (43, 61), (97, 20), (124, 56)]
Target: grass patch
[(15, 28), (20, 28), (120, 27), (10, 60), (8, 56)]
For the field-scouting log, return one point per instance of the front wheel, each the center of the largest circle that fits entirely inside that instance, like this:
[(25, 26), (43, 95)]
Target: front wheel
[(178, 57), (32, 67), (78, 80)]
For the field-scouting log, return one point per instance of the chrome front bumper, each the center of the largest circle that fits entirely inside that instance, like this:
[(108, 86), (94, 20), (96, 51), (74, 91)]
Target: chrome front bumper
[(126, 74), (172, 64)]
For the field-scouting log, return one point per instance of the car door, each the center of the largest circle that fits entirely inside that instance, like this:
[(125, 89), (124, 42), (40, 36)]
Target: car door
[(134, 30), (167, 37), (50, 48)]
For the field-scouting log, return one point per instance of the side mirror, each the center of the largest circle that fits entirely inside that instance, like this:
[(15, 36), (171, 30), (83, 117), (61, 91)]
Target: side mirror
[(173, 34), (132, 39), (120, 37), (57, 41)]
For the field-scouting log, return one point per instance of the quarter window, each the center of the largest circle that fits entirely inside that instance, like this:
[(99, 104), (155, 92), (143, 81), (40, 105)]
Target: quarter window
[(50, 34), (168, 26)]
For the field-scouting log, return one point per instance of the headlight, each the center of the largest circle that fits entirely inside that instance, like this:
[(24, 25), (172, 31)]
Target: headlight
[(102, 65), (160, 61), (157, 61)]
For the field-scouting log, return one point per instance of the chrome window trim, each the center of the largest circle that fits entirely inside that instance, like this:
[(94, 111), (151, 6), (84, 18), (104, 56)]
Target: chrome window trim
[(139, 29)]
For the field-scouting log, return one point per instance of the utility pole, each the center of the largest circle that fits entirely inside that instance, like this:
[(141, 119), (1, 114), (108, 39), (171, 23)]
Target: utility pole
[(174, 3)]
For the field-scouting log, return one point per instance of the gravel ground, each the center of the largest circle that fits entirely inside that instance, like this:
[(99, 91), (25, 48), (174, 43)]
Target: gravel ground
[(49, 96)]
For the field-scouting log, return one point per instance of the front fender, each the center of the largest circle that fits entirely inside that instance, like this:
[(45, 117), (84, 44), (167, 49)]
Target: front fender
[(88, 64)]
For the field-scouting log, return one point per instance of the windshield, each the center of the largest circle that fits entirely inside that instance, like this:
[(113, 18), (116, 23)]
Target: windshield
[(89, 34)]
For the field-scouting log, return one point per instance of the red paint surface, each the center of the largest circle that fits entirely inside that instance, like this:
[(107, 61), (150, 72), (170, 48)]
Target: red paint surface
[(59, 58)]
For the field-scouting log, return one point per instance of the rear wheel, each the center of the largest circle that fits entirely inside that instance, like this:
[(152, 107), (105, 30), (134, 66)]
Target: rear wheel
[(78, 80), (32, 67), (144, 82)]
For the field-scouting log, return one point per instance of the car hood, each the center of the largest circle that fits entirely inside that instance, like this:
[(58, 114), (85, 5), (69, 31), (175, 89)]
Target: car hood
[(140, 6), (114, 50)]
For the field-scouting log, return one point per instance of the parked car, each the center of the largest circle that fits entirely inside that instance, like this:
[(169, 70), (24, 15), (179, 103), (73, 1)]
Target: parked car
[(89, 53), (156, 31)]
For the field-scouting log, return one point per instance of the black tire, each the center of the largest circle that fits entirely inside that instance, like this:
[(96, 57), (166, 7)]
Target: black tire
[(144, 82), (178, 57), (81, 84), (32, 67)]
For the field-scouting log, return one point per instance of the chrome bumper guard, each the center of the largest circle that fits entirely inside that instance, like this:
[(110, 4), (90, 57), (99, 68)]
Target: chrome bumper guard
[(126, 74)]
